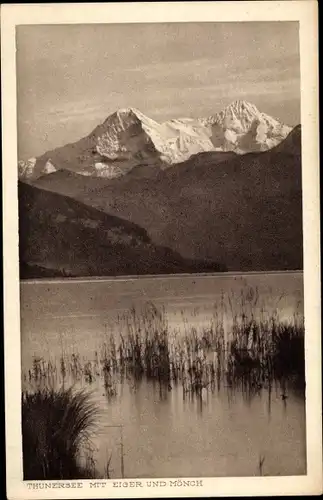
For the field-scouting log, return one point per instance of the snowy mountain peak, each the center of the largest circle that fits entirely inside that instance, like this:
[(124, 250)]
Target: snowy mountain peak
[(242, 128), (123, 115), (242, 109), (129, 115), (238, 116), (243, 106), (125, 118), (128, 138), (125, 112)]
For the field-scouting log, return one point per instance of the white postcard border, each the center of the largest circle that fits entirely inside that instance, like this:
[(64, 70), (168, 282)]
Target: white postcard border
[(306, 13)]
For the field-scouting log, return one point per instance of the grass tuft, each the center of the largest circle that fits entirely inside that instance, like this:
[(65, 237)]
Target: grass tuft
[(56, 431)]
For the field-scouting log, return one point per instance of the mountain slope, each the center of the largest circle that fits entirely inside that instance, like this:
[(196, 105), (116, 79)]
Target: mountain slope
[(292, 144), (244, 210), (128, 139), (77, 186), (60, 236)]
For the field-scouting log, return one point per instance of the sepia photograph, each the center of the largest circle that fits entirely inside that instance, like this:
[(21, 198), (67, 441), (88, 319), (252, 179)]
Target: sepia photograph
[(160, 259)]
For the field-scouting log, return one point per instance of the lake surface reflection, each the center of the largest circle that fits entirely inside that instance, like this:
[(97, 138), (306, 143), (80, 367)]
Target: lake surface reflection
[(150, 429)]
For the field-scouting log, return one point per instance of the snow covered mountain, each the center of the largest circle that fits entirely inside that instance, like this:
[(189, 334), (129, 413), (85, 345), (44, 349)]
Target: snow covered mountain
[(128, 138), (129, 134), (242, 128)]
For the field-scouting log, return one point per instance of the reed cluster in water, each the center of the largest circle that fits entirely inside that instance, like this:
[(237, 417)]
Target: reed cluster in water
[(251, 350)]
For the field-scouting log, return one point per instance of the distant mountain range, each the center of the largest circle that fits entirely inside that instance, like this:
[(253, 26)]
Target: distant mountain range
[(128, 139), (216, 211)]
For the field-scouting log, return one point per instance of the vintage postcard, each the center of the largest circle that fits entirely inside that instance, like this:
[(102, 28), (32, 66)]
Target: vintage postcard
[(161, 249)]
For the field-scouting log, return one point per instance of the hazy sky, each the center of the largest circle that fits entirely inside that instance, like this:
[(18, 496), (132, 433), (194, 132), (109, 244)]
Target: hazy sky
[(71, 77)]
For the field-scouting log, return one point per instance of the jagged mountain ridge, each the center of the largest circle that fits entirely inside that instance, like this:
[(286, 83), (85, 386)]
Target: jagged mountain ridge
[(59, 236), (242, 128), (245, 210), (128, 138)]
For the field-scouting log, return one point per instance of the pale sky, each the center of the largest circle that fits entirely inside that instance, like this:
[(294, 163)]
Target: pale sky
[(71, 77)]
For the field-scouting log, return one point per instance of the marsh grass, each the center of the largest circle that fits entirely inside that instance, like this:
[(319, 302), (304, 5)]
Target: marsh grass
[(242, 346), (266, 351), (56, 429)]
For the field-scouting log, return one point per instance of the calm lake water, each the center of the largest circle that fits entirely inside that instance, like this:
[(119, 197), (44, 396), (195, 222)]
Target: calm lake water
[(222, 433)]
